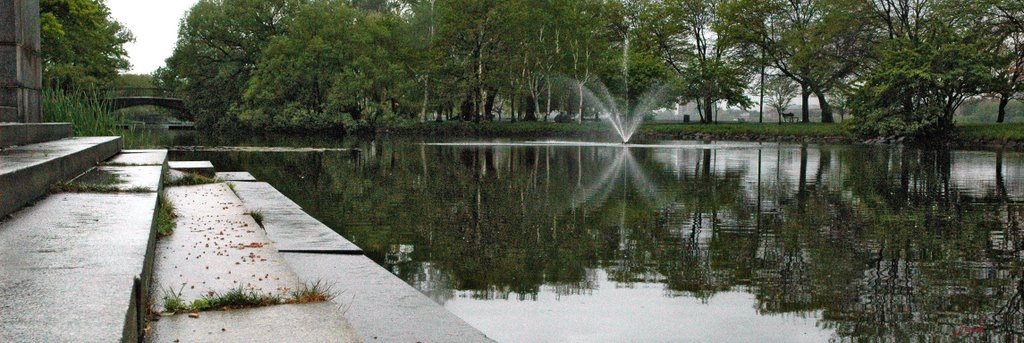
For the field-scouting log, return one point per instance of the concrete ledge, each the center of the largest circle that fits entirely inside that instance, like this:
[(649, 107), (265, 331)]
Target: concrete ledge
[(27, 172), (134, 178), (295, 231), (139, 158), (291, 228), (204, 168), (381, 306), (262, 197), (68, 267), (12, 134), (320, 322), (236, 176)]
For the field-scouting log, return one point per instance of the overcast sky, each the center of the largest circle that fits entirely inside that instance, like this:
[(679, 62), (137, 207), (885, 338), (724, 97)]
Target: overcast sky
[(155, 26)]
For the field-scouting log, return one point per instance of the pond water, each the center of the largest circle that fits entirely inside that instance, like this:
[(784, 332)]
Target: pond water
[(685, 242)]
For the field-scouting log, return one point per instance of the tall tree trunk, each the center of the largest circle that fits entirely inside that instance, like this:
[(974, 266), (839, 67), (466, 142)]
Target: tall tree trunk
[(548, 112), (826, 109), (489, 104), (805, 112), (513, 110), (531, 108), (426, 100), (579, 110), (467, 108), (760, 113), (1004, 99), (708, 110)]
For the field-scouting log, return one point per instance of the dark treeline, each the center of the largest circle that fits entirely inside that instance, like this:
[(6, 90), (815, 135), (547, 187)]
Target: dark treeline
[(896, 67)]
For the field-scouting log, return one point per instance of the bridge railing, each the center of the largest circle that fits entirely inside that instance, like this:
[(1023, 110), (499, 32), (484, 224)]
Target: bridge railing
[(140, 92)]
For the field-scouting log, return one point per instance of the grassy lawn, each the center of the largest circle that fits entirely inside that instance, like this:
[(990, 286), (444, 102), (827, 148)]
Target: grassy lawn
[(991, 132), (735, 129), (591, 129)]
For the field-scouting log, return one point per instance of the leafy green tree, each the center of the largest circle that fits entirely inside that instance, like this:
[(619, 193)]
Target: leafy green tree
[(816, 43), (707, 69), (1009, 75), (780, 91), (937, 55), (82, 46), (219, 44)]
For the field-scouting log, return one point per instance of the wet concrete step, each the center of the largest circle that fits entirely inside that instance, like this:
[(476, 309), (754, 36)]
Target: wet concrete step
[(204, 168), (12, 134), (235, 176), (28, 171), (291, 228), (139, 158), (67, 266), (74, 266)]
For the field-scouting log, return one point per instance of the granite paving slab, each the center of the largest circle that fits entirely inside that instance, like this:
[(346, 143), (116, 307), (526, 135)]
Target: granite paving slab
[(321, 322), (291, 228), (262, 197), (67, 266), (380, 306), (235, 176), (204, 168), (28, 171), (139, 158), (124, 178), (216, 248), (295, 231)]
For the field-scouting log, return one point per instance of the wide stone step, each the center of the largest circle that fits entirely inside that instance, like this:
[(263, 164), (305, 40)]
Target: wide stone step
[(204, 168), (76, 266), (12, 134), (68, 264), (28, 171)]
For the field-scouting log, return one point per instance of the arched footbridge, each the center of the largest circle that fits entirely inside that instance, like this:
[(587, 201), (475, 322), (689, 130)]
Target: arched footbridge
[(119, 98)]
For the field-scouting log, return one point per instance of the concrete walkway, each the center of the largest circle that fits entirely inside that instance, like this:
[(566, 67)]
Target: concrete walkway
[(218, 247)]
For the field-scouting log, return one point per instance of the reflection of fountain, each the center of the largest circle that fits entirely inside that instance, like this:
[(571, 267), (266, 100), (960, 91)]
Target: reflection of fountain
[(626, 167), (624, 120)]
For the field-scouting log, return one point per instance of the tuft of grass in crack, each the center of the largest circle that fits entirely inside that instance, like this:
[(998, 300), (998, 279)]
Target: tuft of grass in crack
[(235, 298), (166, 218), (173, 302), (118, 164), (257, 216), (312, 293), (75, 187), (242, 297), (189, 179)]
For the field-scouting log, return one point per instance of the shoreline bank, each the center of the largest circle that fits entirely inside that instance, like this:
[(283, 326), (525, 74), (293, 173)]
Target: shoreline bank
[(1007, 135)]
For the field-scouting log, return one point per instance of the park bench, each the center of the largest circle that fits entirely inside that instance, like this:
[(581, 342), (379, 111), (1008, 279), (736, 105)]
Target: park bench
[(788, 117)]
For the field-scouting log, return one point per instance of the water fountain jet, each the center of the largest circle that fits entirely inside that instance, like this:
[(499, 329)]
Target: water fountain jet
[(623, 119)]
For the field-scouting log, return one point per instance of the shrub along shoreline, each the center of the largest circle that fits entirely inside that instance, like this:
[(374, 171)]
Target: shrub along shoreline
[(1009, 135)]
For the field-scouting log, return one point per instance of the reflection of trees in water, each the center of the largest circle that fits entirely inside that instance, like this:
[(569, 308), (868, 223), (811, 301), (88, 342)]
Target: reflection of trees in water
[(879, 240)]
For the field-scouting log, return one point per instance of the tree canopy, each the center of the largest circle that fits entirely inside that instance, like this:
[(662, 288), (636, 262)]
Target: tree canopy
[(82, 46), (896, 67)]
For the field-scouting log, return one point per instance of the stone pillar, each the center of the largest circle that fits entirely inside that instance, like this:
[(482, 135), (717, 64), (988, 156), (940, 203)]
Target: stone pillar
[(21, 68)]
